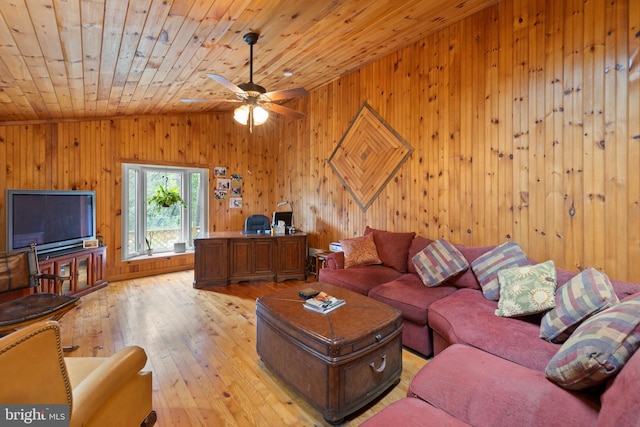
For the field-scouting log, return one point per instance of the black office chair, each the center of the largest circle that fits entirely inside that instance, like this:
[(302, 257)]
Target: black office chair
[(254, 223)]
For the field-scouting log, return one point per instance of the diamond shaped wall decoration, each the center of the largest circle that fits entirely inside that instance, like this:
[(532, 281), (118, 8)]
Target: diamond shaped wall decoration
[(368, 156)]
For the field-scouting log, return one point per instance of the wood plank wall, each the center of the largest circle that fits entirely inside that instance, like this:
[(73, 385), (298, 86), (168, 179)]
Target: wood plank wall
[(525, 123), (88, 155), (525, 120)]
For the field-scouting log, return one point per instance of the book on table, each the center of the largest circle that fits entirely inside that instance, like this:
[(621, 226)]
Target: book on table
[(323, 303)]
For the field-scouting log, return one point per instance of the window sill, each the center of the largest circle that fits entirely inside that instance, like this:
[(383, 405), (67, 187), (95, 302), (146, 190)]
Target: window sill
[(156, 256)]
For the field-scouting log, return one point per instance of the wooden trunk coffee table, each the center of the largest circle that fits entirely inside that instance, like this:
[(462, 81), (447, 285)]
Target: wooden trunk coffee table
[(338, 361)]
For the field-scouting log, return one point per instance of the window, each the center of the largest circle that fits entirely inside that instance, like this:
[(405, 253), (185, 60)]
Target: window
[(146, 224)]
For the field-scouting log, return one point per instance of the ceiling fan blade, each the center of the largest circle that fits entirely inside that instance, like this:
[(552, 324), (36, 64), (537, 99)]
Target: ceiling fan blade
[(223, 81), (209, 100), (285, 111), (279, 95)]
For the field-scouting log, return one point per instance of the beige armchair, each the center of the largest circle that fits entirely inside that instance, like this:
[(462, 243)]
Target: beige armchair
[(100, 391)]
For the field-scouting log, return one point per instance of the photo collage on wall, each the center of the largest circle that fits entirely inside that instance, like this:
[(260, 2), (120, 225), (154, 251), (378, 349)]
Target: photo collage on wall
[(228, 187)]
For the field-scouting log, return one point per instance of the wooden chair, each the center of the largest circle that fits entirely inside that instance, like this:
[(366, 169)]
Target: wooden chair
[(20, 271)]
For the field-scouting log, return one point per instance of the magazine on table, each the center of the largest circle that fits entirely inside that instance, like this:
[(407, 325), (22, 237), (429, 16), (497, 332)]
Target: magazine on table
[(323, 303)]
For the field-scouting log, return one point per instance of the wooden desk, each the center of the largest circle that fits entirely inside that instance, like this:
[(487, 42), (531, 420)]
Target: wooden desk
[(226, 257)]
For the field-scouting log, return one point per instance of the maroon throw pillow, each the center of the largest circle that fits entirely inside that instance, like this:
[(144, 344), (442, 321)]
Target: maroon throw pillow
[(392, 247)]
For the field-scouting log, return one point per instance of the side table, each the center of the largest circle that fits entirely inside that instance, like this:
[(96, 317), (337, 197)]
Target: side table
[(321, 261)]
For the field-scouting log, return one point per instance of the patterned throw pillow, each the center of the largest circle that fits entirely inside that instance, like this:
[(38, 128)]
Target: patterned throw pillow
[(599, 347), (584, 295), (486, 266), (360, 251), (527, 290), (438, 262)]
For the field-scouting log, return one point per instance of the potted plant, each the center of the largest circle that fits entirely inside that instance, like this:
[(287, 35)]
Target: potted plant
[(167, 197), (149, 248)]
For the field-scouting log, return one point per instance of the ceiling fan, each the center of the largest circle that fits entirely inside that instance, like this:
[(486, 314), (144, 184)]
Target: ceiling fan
[(256, 101)]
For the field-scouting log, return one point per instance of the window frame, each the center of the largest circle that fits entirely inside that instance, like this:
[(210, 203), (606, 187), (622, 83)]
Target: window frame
[(142, 206)]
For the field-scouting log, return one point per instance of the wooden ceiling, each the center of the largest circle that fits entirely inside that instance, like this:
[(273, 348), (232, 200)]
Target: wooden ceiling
[(74, 59)]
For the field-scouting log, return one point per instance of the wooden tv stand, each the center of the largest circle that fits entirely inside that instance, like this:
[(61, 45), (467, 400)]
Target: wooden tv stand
[(86, 267), (226, 257)]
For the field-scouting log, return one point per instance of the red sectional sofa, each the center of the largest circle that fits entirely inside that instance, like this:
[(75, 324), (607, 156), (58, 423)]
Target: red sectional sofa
[(466, 386), (487, 370), (394, 282)]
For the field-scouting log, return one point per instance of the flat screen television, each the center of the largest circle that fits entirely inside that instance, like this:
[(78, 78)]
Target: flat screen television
[(53, 219)]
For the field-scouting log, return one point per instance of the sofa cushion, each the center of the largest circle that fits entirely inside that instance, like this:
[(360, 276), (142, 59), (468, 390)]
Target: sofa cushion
[(410, 296), (599, 347), (417, 244), (583, 296), (359, 279), (392, 247), (410, 412), (527, 290), (484, 390), (620, 403), (438, 262), (468, 279), (467, 317), (486, 266), (360, 251), (624, 290)]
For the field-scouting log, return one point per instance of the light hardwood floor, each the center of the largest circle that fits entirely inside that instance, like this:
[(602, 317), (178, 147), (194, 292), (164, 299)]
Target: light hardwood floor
[(201, 349)]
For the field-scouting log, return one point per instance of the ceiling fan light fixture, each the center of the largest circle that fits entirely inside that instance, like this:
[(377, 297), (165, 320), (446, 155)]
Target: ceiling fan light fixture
[(260, 115), (250, 114), (241, 114)]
